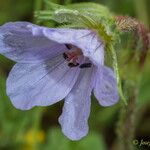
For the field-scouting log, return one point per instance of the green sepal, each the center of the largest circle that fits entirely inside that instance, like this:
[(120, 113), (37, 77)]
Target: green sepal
[(116, 69), (82, 15)]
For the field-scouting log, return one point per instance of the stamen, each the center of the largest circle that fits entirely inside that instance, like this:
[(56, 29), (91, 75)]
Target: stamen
[(68, 46), (65, 56), (73, 65), (72, 57), (85, 65)]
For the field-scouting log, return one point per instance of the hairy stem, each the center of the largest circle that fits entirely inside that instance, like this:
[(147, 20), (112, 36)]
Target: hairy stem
[(142, 15), (126, 124)]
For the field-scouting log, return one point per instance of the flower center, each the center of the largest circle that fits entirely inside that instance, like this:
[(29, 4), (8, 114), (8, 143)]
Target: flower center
[(72, 57)]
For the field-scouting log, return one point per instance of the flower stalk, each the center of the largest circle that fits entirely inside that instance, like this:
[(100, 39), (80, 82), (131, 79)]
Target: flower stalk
[(126, 124), (127, 121)]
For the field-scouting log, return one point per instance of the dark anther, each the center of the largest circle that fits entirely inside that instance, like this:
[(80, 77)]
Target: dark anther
[(65, 55), (73, 65), (68, 46), (86, 65)]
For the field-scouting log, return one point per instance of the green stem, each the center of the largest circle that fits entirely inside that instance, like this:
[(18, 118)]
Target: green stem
[(141, 11), (126, 123), (37, 6), (36, 126), (65, 2)]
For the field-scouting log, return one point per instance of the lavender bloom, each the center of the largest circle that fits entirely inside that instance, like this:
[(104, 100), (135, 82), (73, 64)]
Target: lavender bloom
[(55, 64)]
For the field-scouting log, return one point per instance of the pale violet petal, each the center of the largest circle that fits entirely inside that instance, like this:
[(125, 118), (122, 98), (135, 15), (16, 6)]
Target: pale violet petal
[(76, 110), (87, 40), (106, 90), (19, 43), (40, 84)]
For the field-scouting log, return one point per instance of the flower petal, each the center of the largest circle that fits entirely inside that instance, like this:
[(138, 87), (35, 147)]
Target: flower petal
[(76, 108), (40, 84), (19, 43), (86, 40), (105, 89)]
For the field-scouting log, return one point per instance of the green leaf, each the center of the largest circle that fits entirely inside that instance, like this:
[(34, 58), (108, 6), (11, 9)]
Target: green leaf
[(56, 140), (92, 141)]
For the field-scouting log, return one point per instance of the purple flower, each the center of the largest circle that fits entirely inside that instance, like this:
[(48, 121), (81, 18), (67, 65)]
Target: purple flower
[(55, 64)]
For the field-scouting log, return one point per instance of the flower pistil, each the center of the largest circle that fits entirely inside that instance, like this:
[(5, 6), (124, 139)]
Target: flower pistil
[(73, 57)]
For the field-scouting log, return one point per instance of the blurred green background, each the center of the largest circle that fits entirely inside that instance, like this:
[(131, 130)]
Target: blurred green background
[(38, 129)]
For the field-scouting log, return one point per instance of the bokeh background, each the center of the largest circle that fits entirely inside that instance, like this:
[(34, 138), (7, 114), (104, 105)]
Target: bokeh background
[(38, 129)]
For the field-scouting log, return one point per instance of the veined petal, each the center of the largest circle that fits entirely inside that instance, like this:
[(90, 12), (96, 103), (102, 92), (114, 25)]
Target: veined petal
[(40, 84), (87, 40), (19, 43), (76, 110), (105, 89)]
